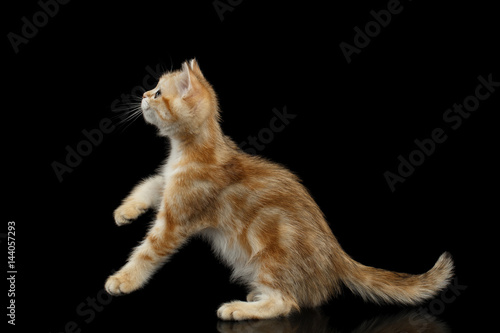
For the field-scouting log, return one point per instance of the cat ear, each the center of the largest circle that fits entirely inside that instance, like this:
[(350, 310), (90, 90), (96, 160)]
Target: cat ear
[(183, 81), (193, 64)]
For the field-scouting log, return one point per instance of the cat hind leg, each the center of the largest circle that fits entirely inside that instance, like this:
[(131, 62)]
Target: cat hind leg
[(265, 303)]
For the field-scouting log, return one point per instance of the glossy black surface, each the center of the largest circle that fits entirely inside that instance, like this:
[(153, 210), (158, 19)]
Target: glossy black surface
[(353, 121)]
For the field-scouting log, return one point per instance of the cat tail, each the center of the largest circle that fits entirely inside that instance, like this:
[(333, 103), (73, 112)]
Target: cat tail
[(381, 286)]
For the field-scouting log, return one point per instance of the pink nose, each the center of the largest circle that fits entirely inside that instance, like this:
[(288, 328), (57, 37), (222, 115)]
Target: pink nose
[(144, 95)]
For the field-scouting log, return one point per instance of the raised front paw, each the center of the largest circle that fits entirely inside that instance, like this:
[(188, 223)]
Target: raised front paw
[(128, 212), (121, 284)]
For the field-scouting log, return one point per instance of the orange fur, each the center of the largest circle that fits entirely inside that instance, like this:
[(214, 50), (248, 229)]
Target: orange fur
[(258, 216)]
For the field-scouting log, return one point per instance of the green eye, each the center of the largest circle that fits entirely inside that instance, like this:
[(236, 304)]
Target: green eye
[(158, 93)]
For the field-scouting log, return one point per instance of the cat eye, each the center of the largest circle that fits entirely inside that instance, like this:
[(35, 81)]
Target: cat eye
[(158, 93)]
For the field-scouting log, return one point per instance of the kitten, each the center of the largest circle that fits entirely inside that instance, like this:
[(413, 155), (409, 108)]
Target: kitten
[(256, 214)]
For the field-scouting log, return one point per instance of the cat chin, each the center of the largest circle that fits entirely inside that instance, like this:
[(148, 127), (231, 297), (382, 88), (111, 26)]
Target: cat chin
[(149, 115), (149, 118)]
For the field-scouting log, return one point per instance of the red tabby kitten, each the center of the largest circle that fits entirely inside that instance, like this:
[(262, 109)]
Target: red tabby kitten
[(256, 214)]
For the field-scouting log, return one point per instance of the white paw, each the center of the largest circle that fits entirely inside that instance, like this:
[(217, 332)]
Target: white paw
[(120, 284), (128, 212), (233, 311)]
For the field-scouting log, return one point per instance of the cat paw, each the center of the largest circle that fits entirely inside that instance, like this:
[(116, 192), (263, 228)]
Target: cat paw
[(120, 284), (128, 212), (234, 311)]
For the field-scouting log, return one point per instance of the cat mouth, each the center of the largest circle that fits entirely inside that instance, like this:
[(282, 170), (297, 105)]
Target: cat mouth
[(145, 106)]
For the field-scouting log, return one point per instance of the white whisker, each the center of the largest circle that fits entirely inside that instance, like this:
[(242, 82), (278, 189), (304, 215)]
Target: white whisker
[(128, 113)]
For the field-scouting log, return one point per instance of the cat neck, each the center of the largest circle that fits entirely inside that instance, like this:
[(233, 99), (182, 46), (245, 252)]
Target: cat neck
[(204, 145)]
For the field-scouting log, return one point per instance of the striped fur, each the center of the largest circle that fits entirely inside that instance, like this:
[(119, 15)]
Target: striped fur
[(257, 215)]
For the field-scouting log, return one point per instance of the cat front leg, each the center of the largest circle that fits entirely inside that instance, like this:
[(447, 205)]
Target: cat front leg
[(145, 195), (162, 240)]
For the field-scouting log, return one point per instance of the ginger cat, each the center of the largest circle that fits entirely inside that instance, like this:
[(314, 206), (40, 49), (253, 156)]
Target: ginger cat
[(256, 214)]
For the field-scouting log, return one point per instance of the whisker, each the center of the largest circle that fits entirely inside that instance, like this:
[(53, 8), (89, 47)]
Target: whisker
[(137, 98), (124, 114), (132, 117), (171, 63), (130, 114), (130, 120)]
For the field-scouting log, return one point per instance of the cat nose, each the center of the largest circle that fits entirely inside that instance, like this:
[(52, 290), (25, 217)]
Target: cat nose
[(144, 95)]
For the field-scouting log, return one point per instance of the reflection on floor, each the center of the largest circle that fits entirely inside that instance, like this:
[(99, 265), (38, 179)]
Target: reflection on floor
[(314, 321)]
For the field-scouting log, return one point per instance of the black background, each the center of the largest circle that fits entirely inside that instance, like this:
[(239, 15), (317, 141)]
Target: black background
[(352, 121)]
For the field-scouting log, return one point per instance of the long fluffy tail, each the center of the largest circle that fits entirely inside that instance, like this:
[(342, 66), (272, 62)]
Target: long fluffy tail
[(381, 286)]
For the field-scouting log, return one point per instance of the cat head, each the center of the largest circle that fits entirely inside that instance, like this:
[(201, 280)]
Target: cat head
[(182, 103)]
